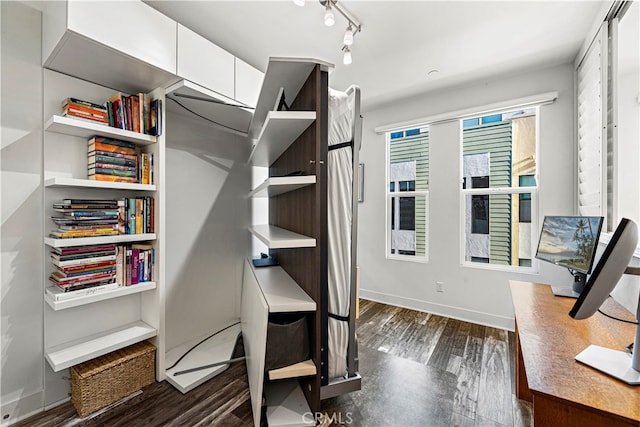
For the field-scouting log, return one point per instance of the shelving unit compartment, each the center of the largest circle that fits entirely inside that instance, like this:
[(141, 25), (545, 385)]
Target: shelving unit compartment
[(279, 185), (81, 241), (279, 238), (281, 292), (66, 355), (98, 296), (60, 182), (280, 130), (86, 129)]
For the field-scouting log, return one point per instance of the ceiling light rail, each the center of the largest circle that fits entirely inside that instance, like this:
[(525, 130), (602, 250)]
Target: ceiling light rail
[(353, 26)]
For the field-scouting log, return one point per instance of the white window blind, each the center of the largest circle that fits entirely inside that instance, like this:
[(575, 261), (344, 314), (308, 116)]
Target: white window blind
[(592, 120)]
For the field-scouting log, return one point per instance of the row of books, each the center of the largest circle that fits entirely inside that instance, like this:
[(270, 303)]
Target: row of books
[(82, 270), (137, 215), (137, 113), (118, 161), (85, 110), (92, 218)]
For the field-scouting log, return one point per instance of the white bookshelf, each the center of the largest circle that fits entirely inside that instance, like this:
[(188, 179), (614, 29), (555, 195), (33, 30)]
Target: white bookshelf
[(281, 292), (86, 129), (98, 240), (280, 130), (100, 295), (279, 238), (279, 185), (66, 355), (89, 183)]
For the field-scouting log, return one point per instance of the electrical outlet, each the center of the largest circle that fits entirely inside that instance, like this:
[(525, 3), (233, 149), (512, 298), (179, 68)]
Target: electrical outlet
[(439, 286)]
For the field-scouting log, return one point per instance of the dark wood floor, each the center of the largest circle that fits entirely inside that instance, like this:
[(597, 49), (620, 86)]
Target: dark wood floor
[(418, 370)]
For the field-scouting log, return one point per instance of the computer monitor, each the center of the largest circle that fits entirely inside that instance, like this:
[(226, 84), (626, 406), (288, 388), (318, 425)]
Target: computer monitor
[(611, 266), (570, 242)]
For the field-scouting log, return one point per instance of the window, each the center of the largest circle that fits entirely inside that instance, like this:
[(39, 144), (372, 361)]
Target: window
[(407, 197), (498, 163)]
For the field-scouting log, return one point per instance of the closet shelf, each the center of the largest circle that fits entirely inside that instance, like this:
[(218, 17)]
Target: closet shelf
[(280, 130), (81, 241), (89, 183), (98, 296), (86, 129), (301, 369), (280, 291), (279, 185), (279, 238), (66, 355)]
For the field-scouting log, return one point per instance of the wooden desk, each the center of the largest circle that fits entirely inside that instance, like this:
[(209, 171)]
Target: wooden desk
[(565, 392)]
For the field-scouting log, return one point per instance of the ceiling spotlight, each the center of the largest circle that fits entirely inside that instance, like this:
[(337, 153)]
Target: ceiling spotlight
[(298, 2), (329, 19), (348, 36), (346, 58)]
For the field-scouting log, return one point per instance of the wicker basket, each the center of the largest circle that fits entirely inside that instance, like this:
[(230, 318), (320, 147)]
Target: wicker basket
[(106, 379)]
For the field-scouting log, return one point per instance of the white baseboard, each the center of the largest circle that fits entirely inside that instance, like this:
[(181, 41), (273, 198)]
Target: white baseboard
[(18, 408), (458, 313)]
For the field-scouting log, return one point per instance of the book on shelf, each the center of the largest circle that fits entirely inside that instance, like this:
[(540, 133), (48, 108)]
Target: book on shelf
[(145, 165), (112, 178), (82, 260), (110, 202), (82, 233), (85, 249), (84, 118), (84, 103), (112, 171), (112, 160), (87, 111), (112, 155), (86, 115), (108, 144), (155, 117), (57, 294)]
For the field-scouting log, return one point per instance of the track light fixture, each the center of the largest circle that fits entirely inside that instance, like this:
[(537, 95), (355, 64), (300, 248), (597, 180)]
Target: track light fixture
[(348, 36), (346, 57), (329, 19), (353, 25)]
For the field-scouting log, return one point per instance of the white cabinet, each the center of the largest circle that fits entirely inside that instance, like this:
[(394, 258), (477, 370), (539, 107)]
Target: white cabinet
[(204, 63), (248, 83), (125, 45)]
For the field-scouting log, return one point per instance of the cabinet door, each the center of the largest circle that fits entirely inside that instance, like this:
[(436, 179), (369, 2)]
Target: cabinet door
[(248, 83), (204, 63), (131, 27)]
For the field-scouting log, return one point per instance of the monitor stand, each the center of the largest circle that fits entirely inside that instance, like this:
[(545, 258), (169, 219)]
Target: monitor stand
[(579, 280)]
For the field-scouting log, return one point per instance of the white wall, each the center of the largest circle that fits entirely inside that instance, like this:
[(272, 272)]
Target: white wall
[(207, 214), (22, 355), (473, 294)]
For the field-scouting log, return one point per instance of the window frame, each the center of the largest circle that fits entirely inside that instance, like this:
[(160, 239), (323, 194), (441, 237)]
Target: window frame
[(389, 202), (534, 191)]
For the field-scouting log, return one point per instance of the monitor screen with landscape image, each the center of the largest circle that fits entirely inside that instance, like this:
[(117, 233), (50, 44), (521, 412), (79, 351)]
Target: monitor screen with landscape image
[(570, 241)]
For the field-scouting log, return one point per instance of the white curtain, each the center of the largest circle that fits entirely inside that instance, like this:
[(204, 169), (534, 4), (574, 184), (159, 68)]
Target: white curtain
[(340, 176)]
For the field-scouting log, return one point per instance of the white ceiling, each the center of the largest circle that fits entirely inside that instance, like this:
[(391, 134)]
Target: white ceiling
[(401, 41)]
